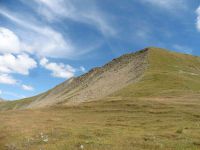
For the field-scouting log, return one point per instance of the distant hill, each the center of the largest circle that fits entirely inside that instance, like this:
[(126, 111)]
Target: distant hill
[(151, 72)]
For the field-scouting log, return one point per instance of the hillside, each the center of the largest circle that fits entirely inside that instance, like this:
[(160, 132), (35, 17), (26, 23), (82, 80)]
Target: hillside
[(152, 72), (169, 74), (157, 109)]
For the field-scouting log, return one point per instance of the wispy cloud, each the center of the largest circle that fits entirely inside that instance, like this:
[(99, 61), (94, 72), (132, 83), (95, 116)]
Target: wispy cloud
[(43, 40), (198, 18), (82, 69), (169, 5), (12, 94), (27, 87), (182, 48), (80, 11)]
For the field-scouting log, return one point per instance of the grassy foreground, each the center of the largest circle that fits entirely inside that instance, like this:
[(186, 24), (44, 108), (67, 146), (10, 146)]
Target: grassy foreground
[(111, 124)]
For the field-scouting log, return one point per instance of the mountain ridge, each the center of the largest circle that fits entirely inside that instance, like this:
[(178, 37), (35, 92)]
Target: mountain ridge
[(91, 86), (149, 72)]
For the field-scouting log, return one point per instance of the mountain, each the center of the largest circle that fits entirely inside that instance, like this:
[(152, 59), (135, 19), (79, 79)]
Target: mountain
[(169, 74), (151, 72)]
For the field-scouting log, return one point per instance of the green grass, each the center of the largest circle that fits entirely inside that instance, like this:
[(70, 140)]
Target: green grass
[(168, 74)]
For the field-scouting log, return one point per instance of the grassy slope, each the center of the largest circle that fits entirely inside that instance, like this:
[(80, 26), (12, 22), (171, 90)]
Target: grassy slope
[(17, 104), (20, 104), (126, 122), (112, 124), (168, 74)]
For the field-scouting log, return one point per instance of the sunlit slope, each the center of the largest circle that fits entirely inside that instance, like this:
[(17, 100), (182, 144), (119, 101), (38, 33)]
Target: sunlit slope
[(96, 84), (152, 72), (168, 74)]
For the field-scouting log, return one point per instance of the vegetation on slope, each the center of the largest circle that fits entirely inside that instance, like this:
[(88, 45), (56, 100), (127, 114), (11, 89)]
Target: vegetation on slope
[(161, 111), (17, 104), (168, 74)]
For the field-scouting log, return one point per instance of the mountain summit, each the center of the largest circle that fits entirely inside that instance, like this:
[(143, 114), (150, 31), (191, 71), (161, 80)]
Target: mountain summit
[(151, 72)]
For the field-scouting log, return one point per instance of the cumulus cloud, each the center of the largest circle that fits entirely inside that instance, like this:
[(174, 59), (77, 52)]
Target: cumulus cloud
[(15, 64), (198, 18), (9, 41), (20, 64), (27, 87), (59, 70), (12, 58), (7, 79), (11, 64)]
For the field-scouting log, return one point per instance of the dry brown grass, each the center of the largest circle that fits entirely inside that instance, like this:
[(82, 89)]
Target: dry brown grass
[(109, 124)]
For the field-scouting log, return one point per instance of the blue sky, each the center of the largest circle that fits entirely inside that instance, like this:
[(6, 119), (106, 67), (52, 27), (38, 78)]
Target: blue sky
[(45, 42)]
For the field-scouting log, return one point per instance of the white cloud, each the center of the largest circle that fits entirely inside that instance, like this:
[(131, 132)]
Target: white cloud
[(82, 69), (27, 87), (9, 42), (50, 44), (20, 64), (172, 5), (7, 79), (198, 18), (80, 11), (183, 49), (42, 40), (59, 70)]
